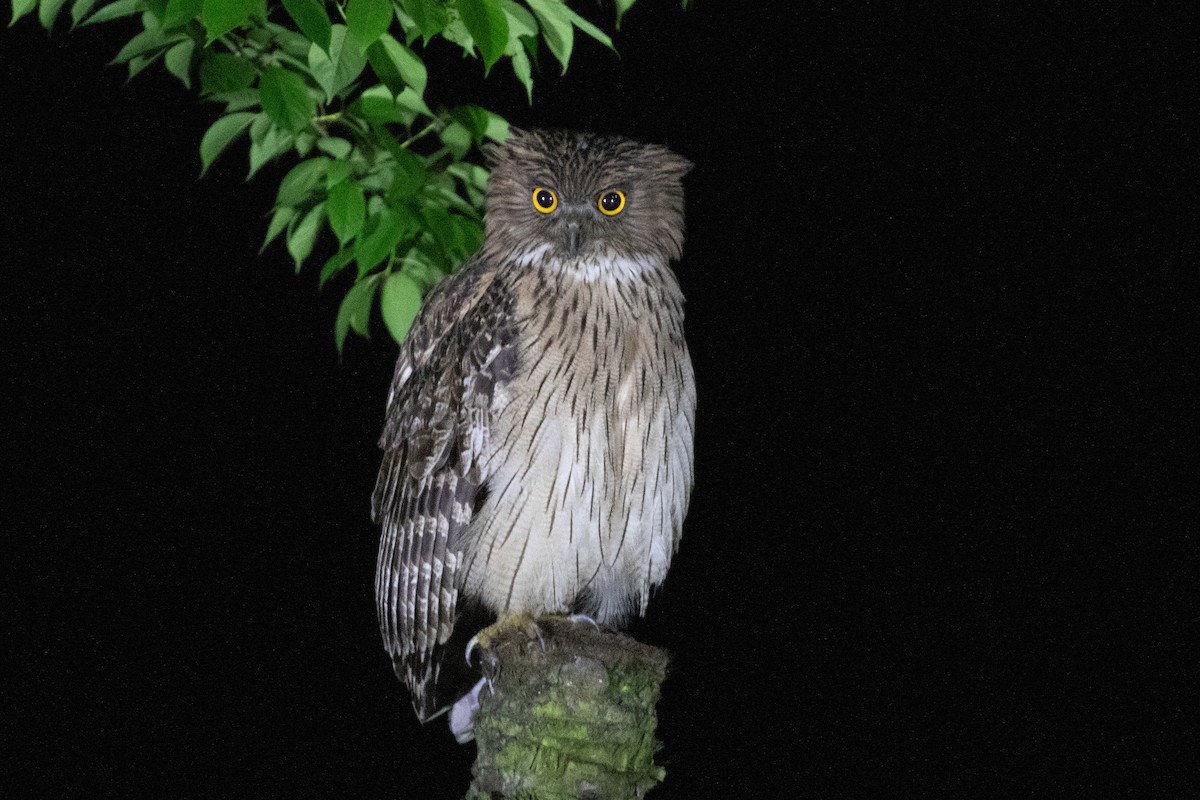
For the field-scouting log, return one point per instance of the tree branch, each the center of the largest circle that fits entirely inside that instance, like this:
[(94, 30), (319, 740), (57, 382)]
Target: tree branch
[(573, 718)]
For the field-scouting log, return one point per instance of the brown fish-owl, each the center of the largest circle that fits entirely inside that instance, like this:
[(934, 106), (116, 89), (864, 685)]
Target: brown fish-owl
[(538, 435)]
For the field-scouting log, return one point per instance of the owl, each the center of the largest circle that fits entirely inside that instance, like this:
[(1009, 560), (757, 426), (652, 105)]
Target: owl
[(537, 445)]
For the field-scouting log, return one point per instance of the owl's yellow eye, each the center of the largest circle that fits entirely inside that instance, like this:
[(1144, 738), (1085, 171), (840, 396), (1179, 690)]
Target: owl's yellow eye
[(612, 202), (544, 200)]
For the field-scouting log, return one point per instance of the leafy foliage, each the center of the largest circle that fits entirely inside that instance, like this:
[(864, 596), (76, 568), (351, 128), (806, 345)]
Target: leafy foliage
[(341, 85)]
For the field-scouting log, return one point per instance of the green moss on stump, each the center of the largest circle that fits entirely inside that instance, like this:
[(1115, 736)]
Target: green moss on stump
[(575, 720)]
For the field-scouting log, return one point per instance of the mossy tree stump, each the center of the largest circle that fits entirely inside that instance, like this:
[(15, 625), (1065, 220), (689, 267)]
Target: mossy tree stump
[(570, 716)]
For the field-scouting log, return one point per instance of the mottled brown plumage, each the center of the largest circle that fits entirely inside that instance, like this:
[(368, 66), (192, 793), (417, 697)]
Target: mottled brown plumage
[(538, 440)]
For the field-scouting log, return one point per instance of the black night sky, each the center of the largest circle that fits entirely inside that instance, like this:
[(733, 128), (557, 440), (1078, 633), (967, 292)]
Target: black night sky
[(938, 271)]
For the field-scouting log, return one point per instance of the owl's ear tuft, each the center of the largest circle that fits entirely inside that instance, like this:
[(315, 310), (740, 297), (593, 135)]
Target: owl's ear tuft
[(672, 164), (667, 163)]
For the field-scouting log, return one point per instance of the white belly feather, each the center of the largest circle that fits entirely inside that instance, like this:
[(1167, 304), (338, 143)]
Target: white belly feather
[(591, 463)]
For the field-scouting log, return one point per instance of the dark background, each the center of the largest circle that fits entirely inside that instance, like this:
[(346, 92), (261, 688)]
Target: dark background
[(938, 273)]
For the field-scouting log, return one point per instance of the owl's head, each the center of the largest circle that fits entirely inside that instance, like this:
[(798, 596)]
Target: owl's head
[(585, 196)]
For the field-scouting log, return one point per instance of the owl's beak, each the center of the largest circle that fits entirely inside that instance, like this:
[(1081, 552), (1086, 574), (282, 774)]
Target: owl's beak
[(573, 237)]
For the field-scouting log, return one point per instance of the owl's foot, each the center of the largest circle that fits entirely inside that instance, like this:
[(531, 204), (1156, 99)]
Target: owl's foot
[(521, 626), (508, 625)]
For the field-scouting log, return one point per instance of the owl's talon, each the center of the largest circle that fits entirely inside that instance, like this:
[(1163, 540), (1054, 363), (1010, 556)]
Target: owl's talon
[(492, 635), (577, 618), (471, 645)]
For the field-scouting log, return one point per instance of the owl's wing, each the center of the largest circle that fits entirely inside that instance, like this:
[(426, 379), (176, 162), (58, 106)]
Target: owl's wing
[(435, 442)]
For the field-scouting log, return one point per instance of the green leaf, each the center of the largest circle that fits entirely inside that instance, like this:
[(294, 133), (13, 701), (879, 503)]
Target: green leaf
[(457, 236), (144, 43), (622, 7), (121, 8), (285, 98), (273, 36), (271, 143), (179, 61), (458, 138), (47, 12), (225, 72), (524, 72), (427, 270), (139, 63), (520, 23), (367, 20), (588, 28), (301, 180), (312, 20), (180, 12), (556, 28), (450, 198), (222, 16), (80, 9), (237, 100), (411, 31), (305, 140), (488, 26), (477, 120), (281, 219), (360, 322), (409, 177), (303, 234), (220, 135), (426, 264), (456, 32), (337, 172), (522, 26), (355, 311), (399, 303), (496, 128), (336, 263), (260, 127), (413, 102), (347, 208), (429, 15), (156, 9), (378, 105), (385, 138), (472, 175), (397, 66), (437, 221), (380, 242), (411, 67), (335, 146), (20, 8), (339, 67), (470, 234)]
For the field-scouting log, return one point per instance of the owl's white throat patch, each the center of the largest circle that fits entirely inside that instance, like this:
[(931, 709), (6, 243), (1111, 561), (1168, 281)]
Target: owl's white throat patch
[(606, 267), (532, 256)]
